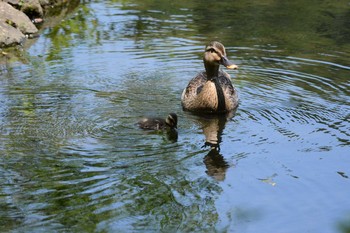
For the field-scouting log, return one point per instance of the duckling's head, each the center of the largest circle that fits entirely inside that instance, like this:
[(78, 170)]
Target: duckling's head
[(215, 55), (171, 120)]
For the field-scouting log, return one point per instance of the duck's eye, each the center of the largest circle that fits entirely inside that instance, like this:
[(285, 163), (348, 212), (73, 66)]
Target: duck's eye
[(211, 50)]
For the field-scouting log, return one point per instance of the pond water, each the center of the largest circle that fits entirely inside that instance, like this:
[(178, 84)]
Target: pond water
[(73, 160)]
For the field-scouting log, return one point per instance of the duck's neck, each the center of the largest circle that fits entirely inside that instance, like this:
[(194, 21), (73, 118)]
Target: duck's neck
[(212, 75), (212, 71)]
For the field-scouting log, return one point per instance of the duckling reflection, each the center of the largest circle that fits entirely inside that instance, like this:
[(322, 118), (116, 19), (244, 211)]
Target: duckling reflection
[(168, 125)]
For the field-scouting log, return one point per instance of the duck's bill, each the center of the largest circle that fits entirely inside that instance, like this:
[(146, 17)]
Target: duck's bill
[(227, 63)]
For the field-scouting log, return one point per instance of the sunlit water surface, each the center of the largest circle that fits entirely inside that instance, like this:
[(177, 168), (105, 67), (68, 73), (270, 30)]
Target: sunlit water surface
[(72, 158)]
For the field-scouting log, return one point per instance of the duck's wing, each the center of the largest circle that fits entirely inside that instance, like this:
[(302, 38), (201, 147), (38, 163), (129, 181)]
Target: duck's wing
[(196, 84), (226, 84)]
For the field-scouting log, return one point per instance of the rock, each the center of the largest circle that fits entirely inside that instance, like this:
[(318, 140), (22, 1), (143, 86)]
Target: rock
[(32, 8), (16, 26), (44, 2), (12, 2), (16, 19), (38, 20), (10, 36)]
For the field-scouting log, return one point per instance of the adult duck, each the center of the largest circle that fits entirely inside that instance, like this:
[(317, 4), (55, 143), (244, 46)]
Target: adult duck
[(211, 91)]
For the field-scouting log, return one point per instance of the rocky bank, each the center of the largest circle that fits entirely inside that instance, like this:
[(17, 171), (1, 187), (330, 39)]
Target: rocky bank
[(20, 19)]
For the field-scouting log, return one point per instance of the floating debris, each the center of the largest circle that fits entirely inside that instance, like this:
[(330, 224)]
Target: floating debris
[(343, 175), (269, 180)]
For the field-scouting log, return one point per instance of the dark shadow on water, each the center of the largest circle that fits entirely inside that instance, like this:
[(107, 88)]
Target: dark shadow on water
[(170, 135), (344, 224)]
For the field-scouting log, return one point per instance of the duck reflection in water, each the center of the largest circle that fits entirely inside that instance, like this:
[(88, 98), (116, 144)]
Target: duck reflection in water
[(157, 124), (216, 165), (213, 127)]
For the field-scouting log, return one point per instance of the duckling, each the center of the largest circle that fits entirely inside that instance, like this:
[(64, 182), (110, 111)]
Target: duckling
[(211, 91), (156, 123)]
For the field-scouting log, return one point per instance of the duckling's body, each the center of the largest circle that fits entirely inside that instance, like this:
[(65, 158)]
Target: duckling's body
[(157, 123), (211, 91)]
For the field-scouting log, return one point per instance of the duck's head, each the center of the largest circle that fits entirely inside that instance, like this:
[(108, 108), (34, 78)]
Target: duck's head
[(215, 55), (171, 120)]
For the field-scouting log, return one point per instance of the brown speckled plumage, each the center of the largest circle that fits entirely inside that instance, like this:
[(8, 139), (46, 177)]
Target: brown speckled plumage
[(211, 91)]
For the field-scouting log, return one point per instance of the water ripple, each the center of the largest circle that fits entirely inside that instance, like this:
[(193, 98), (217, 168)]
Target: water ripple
[(74, 160)]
